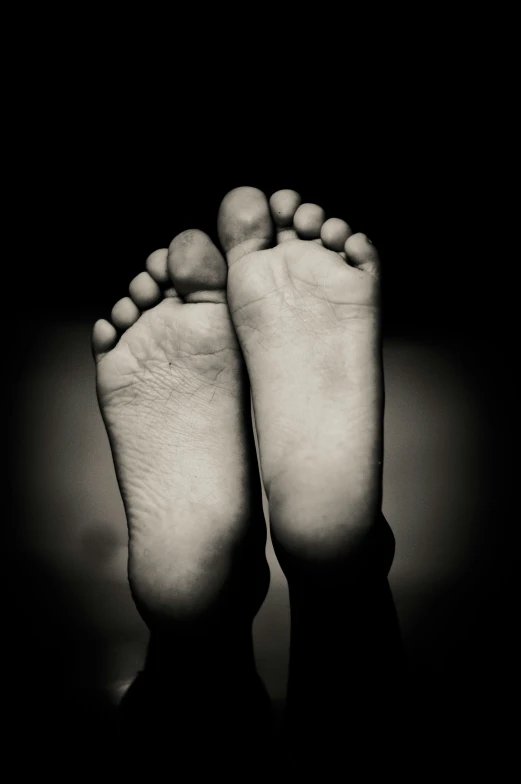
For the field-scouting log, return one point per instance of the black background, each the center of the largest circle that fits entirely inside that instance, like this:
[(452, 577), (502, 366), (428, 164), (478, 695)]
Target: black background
[(95, 222), (101, 181)]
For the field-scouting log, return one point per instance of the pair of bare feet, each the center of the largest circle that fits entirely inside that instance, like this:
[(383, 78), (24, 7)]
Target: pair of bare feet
[(291, 308), (295, 307)]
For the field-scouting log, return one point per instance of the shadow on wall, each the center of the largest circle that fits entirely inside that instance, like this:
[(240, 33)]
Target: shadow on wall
[(72, 534)]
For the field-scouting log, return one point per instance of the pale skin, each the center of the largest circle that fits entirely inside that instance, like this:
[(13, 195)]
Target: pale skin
[(290, 307)]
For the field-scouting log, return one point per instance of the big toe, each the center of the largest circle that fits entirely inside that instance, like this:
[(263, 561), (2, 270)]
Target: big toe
[(197, 268), (244, 223)]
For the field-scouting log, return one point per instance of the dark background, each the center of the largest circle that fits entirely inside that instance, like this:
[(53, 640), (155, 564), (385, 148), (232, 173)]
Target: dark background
[(97, 191), (94, 207)]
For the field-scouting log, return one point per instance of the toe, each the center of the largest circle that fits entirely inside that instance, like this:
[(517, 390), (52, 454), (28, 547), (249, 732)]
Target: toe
[(308, 221), (156, 266), (144, 291), (124, 314), (361, 253), (197, 268), (244, 223), (334, 234), (104, 337), (283, 206)]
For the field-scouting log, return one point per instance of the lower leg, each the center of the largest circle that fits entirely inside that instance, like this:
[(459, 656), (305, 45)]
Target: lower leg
[(199, 705), (175, 399), (199, 700), (346, 665), (307, 316)]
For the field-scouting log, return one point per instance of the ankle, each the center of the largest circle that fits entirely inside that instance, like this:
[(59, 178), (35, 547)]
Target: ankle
[(209, 654), (366, 555)]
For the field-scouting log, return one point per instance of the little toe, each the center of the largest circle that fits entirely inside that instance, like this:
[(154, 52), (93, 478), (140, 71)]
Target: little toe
[(144, 291), (124, 313), (104, 337), (361, 253), (308, 220), (283, 206), (197, 268), (244, 223), (334, 234), (157, 267)]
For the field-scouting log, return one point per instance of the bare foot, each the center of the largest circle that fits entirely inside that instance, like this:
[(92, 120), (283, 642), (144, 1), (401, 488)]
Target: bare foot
[(307, 315), (175, 400)]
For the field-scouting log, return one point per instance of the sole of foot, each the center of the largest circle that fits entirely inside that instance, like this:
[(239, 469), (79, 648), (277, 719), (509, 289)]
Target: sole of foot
[(174, 395), (304, 297)]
